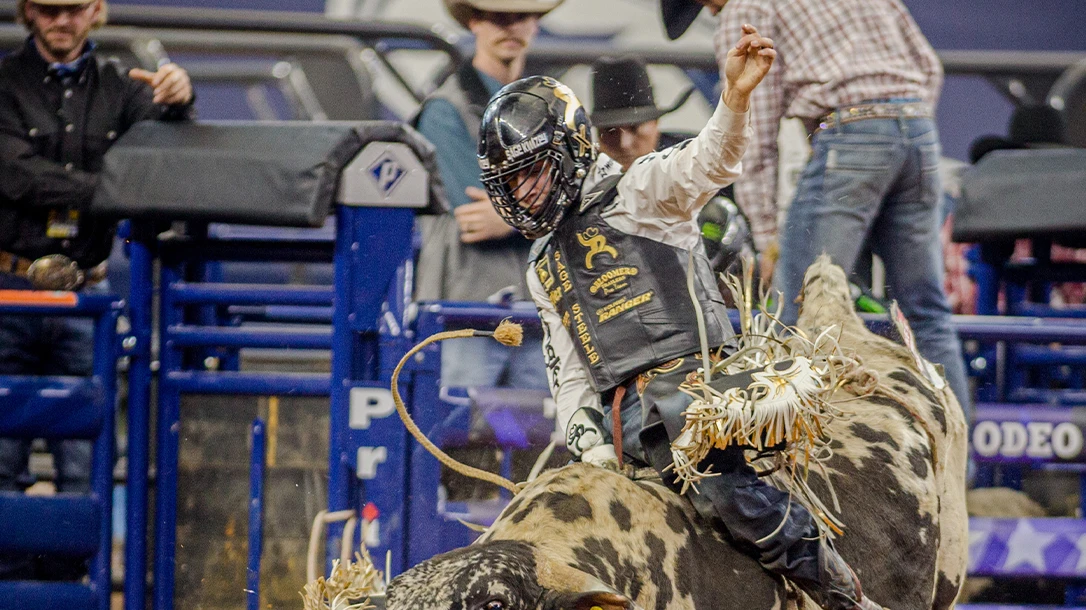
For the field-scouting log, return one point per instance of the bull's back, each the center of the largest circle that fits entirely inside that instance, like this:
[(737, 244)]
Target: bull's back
[(637, 537)]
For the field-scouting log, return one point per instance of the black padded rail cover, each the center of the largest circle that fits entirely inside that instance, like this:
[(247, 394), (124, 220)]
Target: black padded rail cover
[(1024, 193), (266, 173)]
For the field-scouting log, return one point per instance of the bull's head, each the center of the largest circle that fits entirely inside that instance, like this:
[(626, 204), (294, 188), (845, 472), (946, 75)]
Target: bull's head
[(500, 575)]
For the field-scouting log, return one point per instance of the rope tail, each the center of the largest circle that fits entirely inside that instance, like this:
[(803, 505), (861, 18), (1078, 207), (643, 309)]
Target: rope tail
[(507, 333)]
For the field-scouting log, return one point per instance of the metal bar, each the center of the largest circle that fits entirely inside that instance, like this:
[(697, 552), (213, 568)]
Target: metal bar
[(1033, 355), (305, 314), (153, 16), (983, 328), (288, 384), (139, 408), (168, 435), (256, 514), (37, 595), (105, 373), (243, 250), (52, 407), (1049, 397), (250, 294), (340, 477), (452, 314), (49, 303), (187, 335), (63, 524)]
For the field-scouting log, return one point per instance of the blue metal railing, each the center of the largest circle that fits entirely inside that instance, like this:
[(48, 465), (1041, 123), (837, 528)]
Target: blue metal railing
[(79, 525)]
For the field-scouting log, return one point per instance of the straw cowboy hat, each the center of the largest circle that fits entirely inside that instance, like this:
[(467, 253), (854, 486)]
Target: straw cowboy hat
[(461, 9), (21, 7)]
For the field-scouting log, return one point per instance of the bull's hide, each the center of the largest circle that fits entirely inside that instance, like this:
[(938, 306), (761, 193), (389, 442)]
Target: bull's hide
[(580, 532)]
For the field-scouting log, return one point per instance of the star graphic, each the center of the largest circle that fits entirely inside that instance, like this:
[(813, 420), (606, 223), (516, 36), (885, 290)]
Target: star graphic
[(580, 138), (1080, 567), (978, 544), (1026, 546)]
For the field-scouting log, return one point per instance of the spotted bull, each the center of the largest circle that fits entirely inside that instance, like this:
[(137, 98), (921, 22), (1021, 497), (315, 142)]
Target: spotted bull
[(582, 537)]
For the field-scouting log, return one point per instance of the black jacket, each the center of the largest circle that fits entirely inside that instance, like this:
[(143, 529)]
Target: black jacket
[(53, 134)]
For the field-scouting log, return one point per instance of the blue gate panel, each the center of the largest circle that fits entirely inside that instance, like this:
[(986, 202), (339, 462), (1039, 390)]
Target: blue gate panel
[(30, 595), (61, 525), (51, 407), (285, 384)]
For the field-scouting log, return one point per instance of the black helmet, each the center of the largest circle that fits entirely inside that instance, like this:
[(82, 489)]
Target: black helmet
[(535, 148)]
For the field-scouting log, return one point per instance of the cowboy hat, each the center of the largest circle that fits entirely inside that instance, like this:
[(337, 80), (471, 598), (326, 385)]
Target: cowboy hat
[(678, 15), (622, 93), (461, 10)]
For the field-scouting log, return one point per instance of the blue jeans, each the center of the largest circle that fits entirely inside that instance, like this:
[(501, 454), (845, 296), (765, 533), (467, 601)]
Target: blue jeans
[(32, 345), (878, 180), (483, 362)]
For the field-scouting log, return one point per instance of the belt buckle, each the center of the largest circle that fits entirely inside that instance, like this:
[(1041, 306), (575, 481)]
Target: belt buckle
[(55, 272)]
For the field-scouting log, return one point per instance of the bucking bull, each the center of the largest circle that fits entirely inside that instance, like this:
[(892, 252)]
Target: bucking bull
[(583, 537)]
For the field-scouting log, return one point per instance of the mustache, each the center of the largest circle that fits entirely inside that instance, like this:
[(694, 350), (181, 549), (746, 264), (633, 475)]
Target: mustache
[(516, 39)]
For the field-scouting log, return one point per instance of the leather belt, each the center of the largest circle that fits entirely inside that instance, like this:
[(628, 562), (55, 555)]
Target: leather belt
[(13, 263), (52, 272), (875, 110)]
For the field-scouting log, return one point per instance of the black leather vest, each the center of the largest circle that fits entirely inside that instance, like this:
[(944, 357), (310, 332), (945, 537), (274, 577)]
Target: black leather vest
[(624, 298)]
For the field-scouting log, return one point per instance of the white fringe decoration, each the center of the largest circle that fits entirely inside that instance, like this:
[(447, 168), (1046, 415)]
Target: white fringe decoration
[(789, 408), (349, 587)]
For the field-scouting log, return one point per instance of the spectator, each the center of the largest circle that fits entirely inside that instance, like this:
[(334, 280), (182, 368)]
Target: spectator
[(864, 81), (472, 255), (626, 117), (61, 108)]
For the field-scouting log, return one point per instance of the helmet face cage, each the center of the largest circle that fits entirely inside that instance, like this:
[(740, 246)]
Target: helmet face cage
[(535, 148), (531, 193)]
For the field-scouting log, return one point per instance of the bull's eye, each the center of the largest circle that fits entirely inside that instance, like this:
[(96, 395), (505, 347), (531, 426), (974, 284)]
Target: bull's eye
[(494, 604)]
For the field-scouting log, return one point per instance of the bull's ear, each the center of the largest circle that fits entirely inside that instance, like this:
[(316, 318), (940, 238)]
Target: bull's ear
[(592, 600)]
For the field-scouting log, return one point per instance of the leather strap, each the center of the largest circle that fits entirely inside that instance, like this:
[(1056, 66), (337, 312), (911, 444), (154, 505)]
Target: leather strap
[(616, 422)]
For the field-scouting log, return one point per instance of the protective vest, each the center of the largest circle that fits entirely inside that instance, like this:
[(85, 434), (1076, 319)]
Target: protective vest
[(624, 298)]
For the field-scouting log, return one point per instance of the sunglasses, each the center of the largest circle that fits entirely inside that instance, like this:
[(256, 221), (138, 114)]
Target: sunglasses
[(52, 11)]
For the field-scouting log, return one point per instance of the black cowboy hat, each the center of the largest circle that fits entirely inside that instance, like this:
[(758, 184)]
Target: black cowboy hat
[(678, 15), (622, 93)]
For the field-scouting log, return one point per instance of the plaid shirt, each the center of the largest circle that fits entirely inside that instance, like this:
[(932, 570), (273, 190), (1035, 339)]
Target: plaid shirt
[(830, 53)]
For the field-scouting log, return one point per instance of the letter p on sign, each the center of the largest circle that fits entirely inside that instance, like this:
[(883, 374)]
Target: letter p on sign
[(368, 404)]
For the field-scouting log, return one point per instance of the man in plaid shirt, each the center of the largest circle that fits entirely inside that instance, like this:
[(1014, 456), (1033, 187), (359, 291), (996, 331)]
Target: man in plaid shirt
[(864, 81)]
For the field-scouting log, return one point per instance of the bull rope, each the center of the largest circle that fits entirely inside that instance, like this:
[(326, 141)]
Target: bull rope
[(789, 408), (507, 333)]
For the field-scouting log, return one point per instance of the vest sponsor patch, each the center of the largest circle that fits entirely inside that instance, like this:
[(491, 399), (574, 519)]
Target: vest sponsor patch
[(621, 306), (581, 330), (543, 271), (613, 280), (596, 244)]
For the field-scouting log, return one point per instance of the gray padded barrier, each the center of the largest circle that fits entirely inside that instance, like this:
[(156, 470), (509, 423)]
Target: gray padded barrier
[(1024, 193), (278, 174)]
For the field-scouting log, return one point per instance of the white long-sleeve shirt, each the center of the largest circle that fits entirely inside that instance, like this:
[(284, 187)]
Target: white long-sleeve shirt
[(659, 198)]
